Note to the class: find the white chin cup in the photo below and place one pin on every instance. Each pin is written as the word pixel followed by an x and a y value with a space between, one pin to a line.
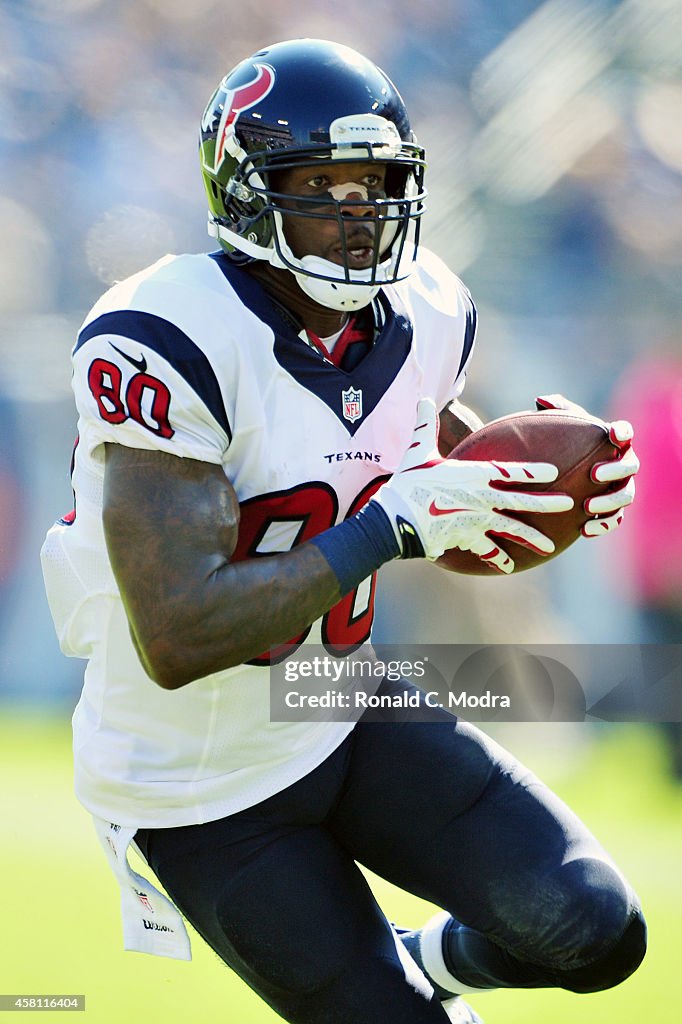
pixel 334 292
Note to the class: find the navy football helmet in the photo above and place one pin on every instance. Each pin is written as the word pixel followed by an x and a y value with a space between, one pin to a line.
pixel 291 105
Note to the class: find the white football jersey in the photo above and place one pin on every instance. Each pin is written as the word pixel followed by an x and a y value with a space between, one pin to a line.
pixel 191 357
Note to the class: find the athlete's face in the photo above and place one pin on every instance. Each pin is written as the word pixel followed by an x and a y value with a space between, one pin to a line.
pixel 352 184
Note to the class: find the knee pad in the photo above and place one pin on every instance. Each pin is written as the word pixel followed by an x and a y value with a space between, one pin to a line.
pixel 594 935
pixel 613 967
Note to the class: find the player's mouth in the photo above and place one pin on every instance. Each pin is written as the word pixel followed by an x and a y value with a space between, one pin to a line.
pixel 357 255
pixel 361 257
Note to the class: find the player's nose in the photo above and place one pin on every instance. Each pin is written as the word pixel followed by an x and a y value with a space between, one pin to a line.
pixel 357 205
pixel 353 199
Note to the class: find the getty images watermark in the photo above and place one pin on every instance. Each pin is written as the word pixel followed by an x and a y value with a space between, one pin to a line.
pixel 503 683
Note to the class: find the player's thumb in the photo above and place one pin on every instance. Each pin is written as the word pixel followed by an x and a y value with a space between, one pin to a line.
pixel 424 444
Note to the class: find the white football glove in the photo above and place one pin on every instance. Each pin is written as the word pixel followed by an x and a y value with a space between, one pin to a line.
pixel 607 509
pixel 435 504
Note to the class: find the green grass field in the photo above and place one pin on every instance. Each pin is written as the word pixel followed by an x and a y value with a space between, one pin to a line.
pixel 59 904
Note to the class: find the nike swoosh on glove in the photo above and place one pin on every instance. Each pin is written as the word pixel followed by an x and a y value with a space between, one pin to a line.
pixel 435 504
pixel 608 509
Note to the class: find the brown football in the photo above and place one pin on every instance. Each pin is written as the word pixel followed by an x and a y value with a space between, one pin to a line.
pixel 572 442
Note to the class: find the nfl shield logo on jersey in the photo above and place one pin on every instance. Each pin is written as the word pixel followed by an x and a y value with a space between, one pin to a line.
pixel 352 404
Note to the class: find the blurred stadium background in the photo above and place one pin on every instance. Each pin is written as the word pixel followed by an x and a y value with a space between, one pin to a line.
pixel 553 131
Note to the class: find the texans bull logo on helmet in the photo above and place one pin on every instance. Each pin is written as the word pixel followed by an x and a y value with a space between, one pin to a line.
pixel 236 101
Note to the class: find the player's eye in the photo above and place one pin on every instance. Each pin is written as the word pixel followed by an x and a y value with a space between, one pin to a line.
pixel 319 181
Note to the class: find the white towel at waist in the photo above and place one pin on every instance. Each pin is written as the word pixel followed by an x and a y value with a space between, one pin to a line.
pixel 151 923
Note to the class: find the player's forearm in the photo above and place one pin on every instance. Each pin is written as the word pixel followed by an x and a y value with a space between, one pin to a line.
pixel 171 528
pixel 242 609
pixel 233 614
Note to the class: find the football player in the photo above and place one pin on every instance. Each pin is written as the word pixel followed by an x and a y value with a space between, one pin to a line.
pixel 257 436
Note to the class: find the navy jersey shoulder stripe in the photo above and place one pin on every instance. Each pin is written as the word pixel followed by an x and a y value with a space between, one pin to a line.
pixel 173 345
pixel 469 333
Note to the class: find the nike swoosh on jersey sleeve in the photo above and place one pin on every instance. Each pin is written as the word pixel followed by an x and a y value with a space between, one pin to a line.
pixel 172 344
pixel 139 364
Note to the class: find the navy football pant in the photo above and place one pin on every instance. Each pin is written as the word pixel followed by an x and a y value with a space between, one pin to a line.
pixel 441 811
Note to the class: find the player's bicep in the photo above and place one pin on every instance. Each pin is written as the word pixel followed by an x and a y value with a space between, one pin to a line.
pixel 169 524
